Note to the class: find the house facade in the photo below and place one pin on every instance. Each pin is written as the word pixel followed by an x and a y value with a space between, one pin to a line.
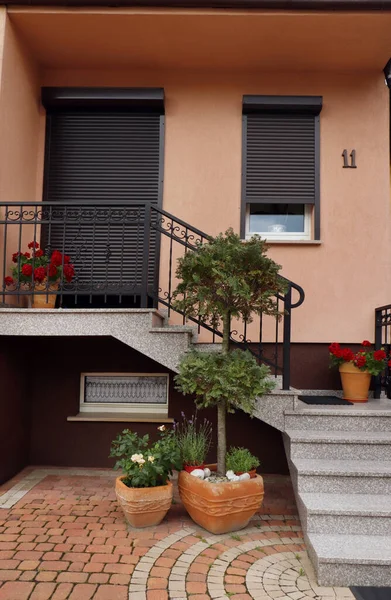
pixel 128 135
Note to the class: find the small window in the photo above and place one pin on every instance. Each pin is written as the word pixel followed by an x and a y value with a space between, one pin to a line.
pixel 124 392
pixel 274 221
pixel 280 189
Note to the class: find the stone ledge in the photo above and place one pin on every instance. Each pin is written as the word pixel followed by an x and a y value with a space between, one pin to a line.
pixel 118 418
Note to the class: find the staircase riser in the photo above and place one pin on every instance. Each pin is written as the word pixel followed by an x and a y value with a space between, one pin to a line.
pixel 337 423
pixel 347 575
pixel 333 451
pixel 355 524
pixel 340 484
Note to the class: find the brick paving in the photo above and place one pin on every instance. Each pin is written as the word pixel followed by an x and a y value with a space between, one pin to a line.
pixel 63 537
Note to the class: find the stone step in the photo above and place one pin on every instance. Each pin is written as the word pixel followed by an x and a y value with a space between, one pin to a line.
pixel 331 419
pixel 367 514
pixel 341 476
pixel 347 560
pixel 340 444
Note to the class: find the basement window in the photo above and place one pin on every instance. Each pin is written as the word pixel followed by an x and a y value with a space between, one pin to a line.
pixel 132 393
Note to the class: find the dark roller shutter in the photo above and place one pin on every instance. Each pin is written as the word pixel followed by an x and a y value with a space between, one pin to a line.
pixel 104 156
pixel 280 162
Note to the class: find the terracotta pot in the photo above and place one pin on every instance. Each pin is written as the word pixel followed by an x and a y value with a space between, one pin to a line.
pixel 252 473
pixel 190 468
pixel 45 300
pixel 144 507
pixel 221 507
pixel 355 383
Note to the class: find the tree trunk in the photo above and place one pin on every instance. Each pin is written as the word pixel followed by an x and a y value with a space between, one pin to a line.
pixel 222 406
pixel 221 437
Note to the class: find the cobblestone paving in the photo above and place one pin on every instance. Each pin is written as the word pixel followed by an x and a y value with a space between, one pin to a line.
pixel 62 537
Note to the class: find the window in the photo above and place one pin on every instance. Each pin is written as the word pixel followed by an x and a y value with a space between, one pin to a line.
pixel 123 392
pixel 274 221
pixel 280 194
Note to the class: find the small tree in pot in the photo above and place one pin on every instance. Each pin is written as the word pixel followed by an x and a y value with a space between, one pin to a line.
pixel 225 279
pixel 222 280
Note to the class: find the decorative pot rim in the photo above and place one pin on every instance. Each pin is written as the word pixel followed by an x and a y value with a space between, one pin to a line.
pixel 210 484
pixel 350 367
pixel 119 481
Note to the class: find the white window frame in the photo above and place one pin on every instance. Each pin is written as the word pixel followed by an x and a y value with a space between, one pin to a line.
pixel 286 235
pixel 123 407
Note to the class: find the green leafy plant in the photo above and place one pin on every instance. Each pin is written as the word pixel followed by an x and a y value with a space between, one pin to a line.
pixel 225 279
pixel 194 439
pixel 240 460
pixel 146 464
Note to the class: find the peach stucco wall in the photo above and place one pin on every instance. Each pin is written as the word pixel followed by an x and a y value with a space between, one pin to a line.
pixel 20 126
pixel 349 273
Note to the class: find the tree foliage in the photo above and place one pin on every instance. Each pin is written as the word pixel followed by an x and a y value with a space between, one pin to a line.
pixel 228 275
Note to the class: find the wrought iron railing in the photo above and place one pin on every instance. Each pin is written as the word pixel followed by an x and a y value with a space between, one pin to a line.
pixel 124 255
pixel 383 340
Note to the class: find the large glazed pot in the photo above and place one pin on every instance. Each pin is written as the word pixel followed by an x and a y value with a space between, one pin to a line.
pixel 355 383
pixel 143 507
pixel 221 507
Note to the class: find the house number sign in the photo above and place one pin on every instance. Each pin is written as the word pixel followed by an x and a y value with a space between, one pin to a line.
pixel 349 164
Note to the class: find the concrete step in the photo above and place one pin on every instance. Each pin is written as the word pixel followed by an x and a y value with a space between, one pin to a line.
pixel 331 419
pixel 341 476
pixel 357 514
pixel 346 560
pixel 359 445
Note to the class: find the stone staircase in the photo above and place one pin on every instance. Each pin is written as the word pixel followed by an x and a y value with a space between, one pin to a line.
pixel 145 330
pixel 340 463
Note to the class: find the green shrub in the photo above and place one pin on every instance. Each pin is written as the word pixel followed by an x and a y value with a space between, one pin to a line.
pixel 145 464
pixel 240 460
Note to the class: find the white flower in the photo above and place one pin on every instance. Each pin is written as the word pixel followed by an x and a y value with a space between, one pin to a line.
pixel 151 458
pixel 162 428
pixel 137 458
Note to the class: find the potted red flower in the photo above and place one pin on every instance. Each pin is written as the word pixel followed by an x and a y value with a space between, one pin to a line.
pixel 357 369
pixel 40 272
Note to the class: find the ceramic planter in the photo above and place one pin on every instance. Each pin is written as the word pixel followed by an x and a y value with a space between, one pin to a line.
pixel 144 507
pixel 190 468
pixel 355 383
pixel 221 507
pixel 252 473
pixel 46 300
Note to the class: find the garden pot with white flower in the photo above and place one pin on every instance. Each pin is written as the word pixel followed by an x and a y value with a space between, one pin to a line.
pixel 356 370
pixel 144 491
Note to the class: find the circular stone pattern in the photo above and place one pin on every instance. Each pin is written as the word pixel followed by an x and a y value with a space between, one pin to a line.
pixel 258 563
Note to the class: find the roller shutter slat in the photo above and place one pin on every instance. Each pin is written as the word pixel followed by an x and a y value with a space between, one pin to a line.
pixel 108 157
pixel 280 160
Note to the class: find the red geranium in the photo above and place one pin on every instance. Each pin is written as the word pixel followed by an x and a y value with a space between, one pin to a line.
pixel 389 363
pixel 8 281
pixel 33 245
pixel 69 272
pixel 15 256
pixel 52 270
pixel 366 343
pixel 67 259
pixel 347 354
pixel 360 361
pixel 27 270
pixel 379 355
pixel 27 255
pixel 39 253
pixel 56 258
pixel 39 274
